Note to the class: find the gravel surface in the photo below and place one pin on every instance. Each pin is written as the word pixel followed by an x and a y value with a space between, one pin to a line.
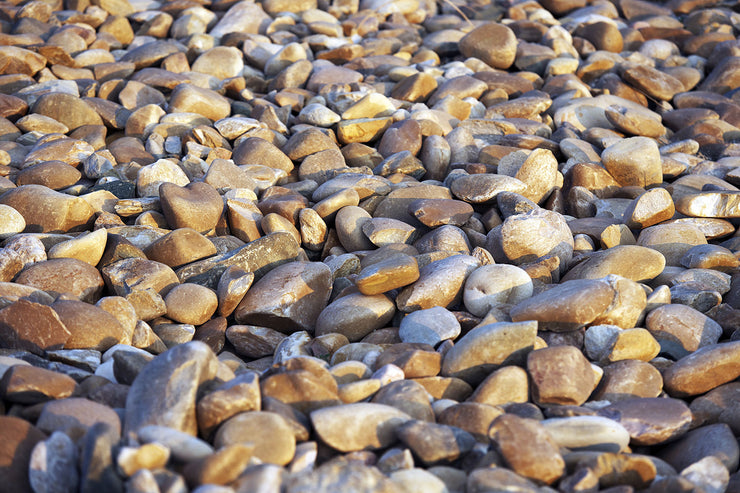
pixel 369 246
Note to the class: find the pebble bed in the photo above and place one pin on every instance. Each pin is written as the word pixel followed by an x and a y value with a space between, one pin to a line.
pixel 369 246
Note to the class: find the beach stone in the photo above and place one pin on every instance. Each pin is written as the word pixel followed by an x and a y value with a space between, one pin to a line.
pixel 355 315
pixel 513 241
pixel 75 416
pixel 527 448
pixel 11 221
pixel 232 286
pixel 53 465
pixel 151 176
pixel 710 257
pixel 45 210
pixel 219 468
pixel 180 370
pixel 495 286
pixel 190 303
pixel 488 347
pixel 650 208
pixel 430 326
pixel 17 448
pixel 703 370
pixel 136 274
pixel 567 306
pixel 244 17
pixel 90 327
pixel 359 426
pixel 499 55
pixel 609 343
pixel 588 433
pixel 64 275
pixel 433 442
pixel 651 420
pixel 710 204
pixel 439 212
pixel 714 440
pixel 621 260
pixel 440 283
pixel 31 385
pixel 653 82
pixel 628 379
pixel 384 231
pixel 67 109
pixel 546 367
pixel 349 222
pixel 52 174
pixel 538 170
pixel 681 330
pixel 188 98
pixel 473 417
pixel 394 272
pixel 197 206
pixel 408 396
pixel 416 478
pixel 634 161
pixel 288 298
pixel 179 247
pixel 220 61
pixel 338 475
pixel 240 394
pixel 32 327
pixel 672 240
pixel 483 188
pixel 270 434
pixel 716 406
pixel 88 247
pixel 506 385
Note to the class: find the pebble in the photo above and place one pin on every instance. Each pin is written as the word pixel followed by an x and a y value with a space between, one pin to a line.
pixel 369 208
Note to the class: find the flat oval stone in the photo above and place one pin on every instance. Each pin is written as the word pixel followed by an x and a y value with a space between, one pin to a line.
pixel 477 44
pixel 188 98
pixel 64 275
pixel 567 306
pixel 710 204
pixel 588 433
pixel 67 110
pixel 438 212
pixel 288 298
pixel 634 262
pixel 651 420
pixel 484 187
pixel 355 315
pixel 190 303
pixel 394 272
pixel 673 240
pixel 32 327
pixel 359 426
pixel 712 440
pixel 488 347
pixel 30 385
pixel 703 370
pixel 90 327
pixel 45 210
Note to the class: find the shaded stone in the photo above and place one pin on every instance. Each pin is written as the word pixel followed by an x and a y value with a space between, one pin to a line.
pixel 651 421
pixel 433 442
pixel 179 370
pixel 358 426
pixel 527 448
pixel 20 438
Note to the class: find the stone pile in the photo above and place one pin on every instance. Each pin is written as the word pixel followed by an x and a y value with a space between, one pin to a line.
pixel 369 246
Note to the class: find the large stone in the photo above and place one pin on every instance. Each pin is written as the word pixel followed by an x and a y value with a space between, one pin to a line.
pixel 523 238
pixel 488 347
pixel 19 439
pixel 164 391
pixel 492 43
pixel 31 327
pixel 355 315
pixel 289 298
pixel 440 283
pixel 47 211
pixel 360 426
pixel 634 161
